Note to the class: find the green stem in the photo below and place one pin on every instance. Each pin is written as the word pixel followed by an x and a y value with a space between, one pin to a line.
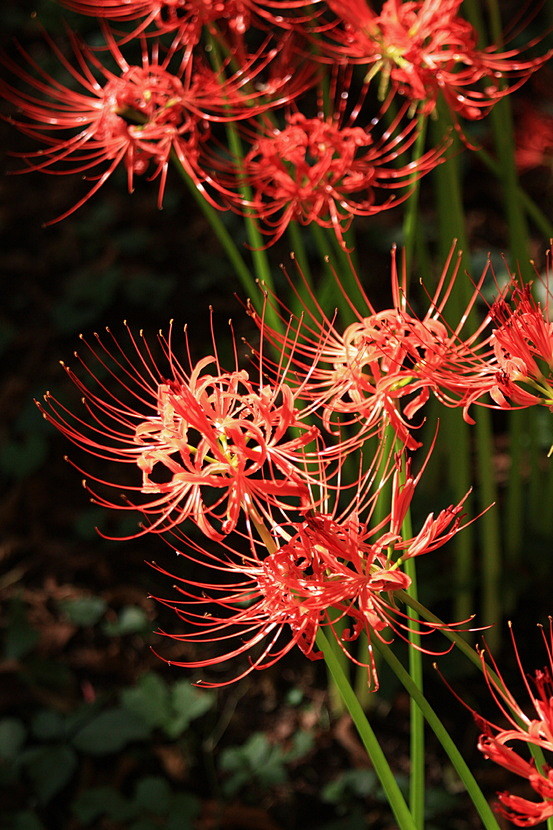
pixel 454 440
pixel 410 221
pixel 452 219
pixel 459 764
pixel 417 776
pixel 417 743
pixel 540 220
pixel 255 238
pixel 381 767
pixel 212 215
pixel 455 638
pixel 503 130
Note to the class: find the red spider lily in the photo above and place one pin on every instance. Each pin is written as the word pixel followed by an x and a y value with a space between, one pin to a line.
pixel 426 49
pixel 316 573
pixel 382 368
pixel 324 171
pixel 522 339
pixel 208 443
pixel 188 17
pixel 537 730
pixel 534 138
pixel 139 116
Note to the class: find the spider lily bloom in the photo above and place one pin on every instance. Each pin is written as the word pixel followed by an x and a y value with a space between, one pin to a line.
pixel 522 339
pixel 139 116
pixel 500 745
pixel 426 49
pixel 534 138
pixel 188 17
pixel 323 171
pixel 206 443
pixel 322 572
pixel 382 368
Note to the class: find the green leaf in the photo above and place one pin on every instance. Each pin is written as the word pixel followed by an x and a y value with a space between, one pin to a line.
pixel 148 700
pixel 50 769
pixel 188 703
pixel 20 637
pixel 184 810
pixel 153 794
pixel 131 620
pixel 48 725
pixel 12 738
pixel 91 804
pixel 356 782
pixel 302 743
pixel 111 731
pixel 294 696
pixel 83 611
pixel 256 760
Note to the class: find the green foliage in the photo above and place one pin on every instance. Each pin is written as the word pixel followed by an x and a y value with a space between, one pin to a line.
pixel 43 756
pixel 83 611
pixel 19 636
pixel 154 804
pixel 169 708
pixel 131 620
pixel 49 769
pixel 260 762
pixel 110 731
pixel 359 783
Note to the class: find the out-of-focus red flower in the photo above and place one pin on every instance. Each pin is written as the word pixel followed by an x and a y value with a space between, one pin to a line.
pixel 382 368
pixel 189 17
pixel 208 444
pixel 426 49
pixel 140 115
pixel 501 744
pixel 324 171
pixel 316 573
pixel 534 138
pixel 522 339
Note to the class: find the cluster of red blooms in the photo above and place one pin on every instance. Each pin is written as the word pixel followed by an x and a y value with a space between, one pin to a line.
pixel 302 160
pixel 522 730
pixel 293 547
pixel 256 460
pixel 239 453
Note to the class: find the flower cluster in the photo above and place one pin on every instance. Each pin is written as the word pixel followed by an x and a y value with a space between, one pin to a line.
pixel 252 458
pixel 501 744
pixel 383 367
pixel 311 574
pixel 305 139
pixel 427 50
pixel 260 459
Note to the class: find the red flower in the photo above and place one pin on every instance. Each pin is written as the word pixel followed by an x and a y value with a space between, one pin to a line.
pixel 537 729
pixel 140 116
pixel 207 443
pixel 534 138
pixel 522 339
pixel 186 16
pixel 425 48
pixel 382 368
pixel 320 170
pixel 316 573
